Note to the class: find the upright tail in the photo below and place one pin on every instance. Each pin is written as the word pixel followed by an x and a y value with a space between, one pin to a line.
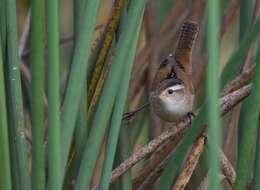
pixel 185 44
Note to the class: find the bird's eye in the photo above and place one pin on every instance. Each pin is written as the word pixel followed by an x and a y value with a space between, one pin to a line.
pixel 170 91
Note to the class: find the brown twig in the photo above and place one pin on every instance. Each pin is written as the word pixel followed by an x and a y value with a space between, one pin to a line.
pixel 190 163
pixel 227 169
pixel 23 46
pixel 226 103
pixel 239 81
pixel 230 138
pixel 154 175
pixel 159 156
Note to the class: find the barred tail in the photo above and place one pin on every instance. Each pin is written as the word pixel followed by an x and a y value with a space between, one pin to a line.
pixel 185 44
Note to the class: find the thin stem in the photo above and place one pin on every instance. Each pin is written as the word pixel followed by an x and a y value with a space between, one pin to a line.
pixel 54 159
pixel 19 160
pixel 77 77
pixel 5 172
pixel 38 169
pixel 213 90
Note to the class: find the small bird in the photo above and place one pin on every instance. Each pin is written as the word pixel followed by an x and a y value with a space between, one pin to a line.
pixel 172 93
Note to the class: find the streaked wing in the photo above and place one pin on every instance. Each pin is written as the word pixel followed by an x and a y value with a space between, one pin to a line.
pixel 185 44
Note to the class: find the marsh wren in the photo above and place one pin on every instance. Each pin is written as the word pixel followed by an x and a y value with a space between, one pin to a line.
pixel 172 94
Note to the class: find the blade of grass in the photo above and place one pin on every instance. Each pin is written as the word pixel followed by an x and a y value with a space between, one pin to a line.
pixel 100 119
pixel 232 67
pixel 54 159
pixel 81 123
pixel 212 91
pixel 249 119
pixel 81 135
pixel 124 146
pixel 256 181
pixel 19 159
pixel 5 172
pixel 38 168
pixel 245 21
pixel 77 76
pixel 117 116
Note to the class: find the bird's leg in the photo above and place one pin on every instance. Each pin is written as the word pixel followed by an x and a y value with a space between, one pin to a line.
pixel 191 116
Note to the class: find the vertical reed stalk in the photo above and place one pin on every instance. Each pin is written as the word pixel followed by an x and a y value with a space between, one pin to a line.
pixel 5 172
pixel 54 159
pixel 256 180
pixel 3 26
pixel 38 168
pixel 104 107
pixel 213 90
pixel 249 125
pixel 77 78
pixel 117 116
pixel 19 159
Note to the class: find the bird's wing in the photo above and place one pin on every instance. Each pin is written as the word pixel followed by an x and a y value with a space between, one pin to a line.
pixel 185 44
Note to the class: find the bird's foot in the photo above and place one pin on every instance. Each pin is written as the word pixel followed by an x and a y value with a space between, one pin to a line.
pixel 191 116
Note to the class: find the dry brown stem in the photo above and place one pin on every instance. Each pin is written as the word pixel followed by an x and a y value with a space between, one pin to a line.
pixel 228 16
pixel 230 138
pixel 190 163
pixel 23 46
pixel 239 81
pixel 154 175
pixel 227 169
pixel 160 154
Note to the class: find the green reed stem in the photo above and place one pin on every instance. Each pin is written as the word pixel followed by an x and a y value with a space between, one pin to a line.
pixel 38 168
pixel 54 142
pixel 5 170
pixel 104 107
pixel 213 91
pixel 18 147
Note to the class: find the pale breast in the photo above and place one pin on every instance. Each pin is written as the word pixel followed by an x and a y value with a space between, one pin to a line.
pixel 172 110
